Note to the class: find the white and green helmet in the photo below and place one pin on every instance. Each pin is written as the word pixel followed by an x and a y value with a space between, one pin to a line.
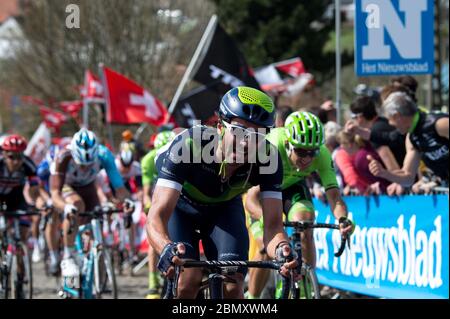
pixel 163 138
pixel 304 130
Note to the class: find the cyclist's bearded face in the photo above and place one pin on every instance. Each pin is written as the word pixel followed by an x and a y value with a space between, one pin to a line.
pixel 240 140
pixel 13 160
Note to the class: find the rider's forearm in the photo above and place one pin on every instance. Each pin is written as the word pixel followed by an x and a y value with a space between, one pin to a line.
pixel 157 232
pixel 340 210
pixel 271 240
pixel 337 204
pixel 43 194
pixel 34 193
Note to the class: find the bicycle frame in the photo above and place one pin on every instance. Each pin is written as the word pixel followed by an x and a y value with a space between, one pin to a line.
pixel 87 269
pixel 11 245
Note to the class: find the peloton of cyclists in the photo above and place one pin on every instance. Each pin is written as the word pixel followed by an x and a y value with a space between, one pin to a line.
pixel 72 187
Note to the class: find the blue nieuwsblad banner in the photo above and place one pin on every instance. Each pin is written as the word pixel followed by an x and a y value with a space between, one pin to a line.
pixel 394 37
pixel 399 249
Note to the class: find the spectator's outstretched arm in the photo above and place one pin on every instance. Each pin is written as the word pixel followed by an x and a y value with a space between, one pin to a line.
pixel 388 158
pixel 408 172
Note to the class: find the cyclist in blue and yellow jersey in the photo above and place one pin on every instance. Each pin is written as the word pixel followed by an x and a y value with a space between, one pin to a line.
pixel 301 146
pixel 72 187
pixel 202 175
pixel 149 176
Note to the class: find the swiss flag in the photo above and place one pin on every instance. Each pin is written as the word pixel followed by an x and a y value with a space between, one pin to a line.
pixel 93 88
pixel 71 107
pixel 294 67
pixel 129 103
pixel 52 118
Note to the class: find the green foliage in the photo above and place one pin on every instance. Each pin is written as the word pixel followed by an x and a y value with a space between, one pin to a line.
pixel 271 30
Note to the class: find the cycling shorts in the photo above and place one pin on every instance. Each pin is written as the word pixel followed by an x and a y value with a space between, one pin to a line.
pixel 87 193
pixel 221 228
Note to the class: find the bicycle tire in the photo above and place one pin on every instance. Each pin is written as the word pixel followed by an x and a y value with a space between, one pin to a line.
pixel 104 276
pixel 4 276
pixel 309 279
pixel 21 285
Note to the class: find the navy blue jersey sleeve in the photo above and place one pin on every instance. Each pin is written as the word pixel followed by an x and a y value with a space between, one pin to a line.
pixel 174 160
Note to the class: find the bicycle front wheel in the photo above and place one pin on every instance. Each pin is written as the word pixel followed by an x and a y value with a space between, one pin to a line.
pixel 104 277
pixel 21 276
pixel 4 276
pixel 308 287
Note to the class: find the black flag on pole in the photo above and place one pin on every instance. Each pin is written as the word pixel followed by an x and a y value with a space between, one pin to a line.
pixel 222 62
pixel 198 104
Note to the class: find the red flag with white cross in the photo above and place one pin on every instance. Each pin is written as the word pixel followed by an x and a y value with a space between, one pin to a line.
pixel 93 87
pixel 129 103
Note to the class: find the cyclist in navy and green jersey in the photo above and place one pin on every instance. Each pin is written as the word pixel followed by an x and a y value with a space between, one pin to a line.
pixel 301 146
pixel 204 192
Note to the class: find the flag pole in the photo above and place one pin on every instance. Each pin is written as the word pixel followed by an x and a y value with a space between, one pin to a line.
pixel 106 99
pixel 85 113
pixel 338 60
pixel 210 27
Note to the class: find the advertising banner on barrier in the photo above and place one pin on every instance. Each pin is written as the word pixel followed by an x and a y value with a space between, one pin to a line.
pixel 400 247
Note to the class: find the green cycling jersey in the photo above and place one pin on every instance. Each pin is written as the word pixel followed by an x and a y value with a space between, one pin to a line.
pixel 149 172
pixel 322 164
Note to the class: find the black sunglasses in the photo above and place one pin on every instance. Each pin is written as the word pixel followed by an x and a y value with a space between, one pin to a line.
pixel 14 157
pixel 306 153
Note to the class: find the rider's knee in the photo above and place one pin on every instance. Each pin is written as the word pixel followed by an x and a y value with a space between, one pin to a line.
pixel 186 290
pixel 235 290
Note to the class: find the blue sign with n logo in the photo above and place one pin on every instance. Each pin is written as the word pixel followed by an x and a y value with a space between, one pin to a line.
pixel 394 37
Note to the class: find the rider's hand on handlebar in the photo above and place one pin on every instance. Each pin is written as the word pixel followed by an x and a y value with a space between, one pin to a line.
pixel 70 209
pixel 284 253
pixel 128 206
pixel 346 226
pixel 171 256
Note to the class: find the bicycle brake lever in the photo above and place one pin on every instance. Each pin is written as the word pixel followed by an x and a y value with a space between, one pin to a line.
pixel 175 280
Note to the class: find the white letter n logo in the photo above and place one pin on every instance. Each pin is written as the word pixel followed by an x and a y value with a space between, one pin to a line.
pixel 407 38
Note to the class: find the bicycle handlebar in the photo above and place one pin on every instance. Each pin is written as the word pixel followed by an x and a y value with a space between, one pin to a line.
pixel 19 213
pixel 96 213
pixel 99 211
pixel 215 265
pixel 302 225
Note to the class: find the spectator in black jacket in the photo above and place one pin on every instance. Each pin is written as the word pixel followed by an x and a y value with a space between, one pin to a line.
pixel 385 139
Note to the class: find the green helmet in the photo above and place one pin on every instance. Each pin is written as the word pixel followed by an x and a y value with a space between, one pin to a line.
pixel 163 138
pixel 304 130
